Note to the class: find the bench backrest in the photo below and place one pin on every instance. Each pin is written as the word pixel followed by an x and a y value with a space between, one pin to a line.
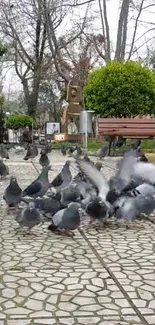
pixel 134 127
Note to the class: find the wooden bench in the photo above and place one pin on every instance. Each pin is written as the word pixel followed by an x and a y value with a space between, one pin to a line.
pixel 134 128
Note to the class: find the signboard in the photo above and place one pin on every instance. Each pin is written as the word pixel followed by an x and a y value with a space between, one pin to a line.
pixel 60 137
pixel 52 128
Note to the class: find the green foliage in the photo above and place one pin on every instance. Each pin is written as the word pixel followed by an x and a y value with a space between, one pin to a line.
pixel 18 121
pixel 121 89
pixel 3 49
pixel 2 100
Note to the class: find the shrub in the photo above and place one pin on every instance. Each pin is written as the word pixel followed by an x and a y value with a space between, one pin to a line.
pixel 121 89
pixel 18 121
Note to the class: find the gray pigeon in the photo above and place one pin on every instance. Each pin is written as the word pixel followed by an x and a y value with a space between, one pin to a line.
pixel 128 208
pixel 46 205
pixel 44 160
pixel 69 194
pixel 67 219
pixel 98 165
pixel 29 217
pixel 4 152
pixel 32 152
pixel 4 170
pixel 40 186
pixel 13 193
pixel 64 178
pixel 103 151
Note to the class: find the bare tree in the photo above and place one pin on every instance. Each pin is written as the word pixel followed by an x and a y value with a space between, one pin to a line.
pixel 60 46
pixel 123 50
pixel 23 27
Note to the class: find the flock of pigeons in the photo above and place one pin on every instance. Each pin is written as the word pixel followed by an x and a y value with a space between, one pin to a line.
pixel 127 195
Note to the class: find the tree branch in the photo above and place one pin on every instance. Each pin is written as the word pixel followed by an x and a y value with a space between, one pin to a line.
pixel 108 50
pixel 135 29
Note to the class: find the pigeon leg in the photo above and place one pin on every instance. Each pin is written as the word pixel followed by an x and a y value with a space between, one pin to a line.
pixel 107 222
pixel 67 233
pixel 10 209
pixel 91 219
pixel 135 226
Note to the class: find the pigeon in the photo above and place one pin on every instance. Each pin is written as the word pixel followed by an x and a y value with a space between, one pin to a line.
pixel 13 193
pixel 108 192
pixel 137 144
pixel 67 219
pixel 4 170
pixel 96 177
pixel 46 205
pixel 145 171
pixel 77 152
pixel 47 149
pixel 86 158
pixel 124 174
pixel 64 150
pixel 64 178
pixel 97 209
pixel 29 217
pixel 98 165
pixel 44 160
pixel 119 142
pixel 131 207
pixel 32 152
pixel 4 152
pixel 70 150
pixel 40 186
pixel 70 194
pixel 100 203
pixel 103 151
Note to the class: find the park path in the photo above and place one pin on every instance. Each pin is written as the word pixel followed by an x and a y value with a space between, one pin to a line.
pixel 104 276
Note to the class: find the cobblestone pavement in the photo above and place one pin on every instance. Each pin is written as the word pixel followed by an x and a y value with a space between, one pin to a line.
pixel 104 276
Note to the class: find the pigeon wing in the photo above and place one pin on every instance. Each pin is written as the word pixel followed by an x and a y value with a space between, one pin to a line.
pixel 145 171
pixel 126 167
pixel 96 177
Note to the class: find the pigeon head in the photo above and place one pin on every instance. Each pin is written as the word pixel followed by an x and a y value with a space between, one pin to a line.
pixel 112 196
pixel 68 163
pixel 13 179
pixel 97 209
pixel 43 152
pixel 86 158
pixel 98 165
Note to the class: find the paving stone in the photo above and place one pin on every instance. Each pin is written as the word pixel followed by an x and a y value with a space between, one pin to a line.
pixel 24 292
pixel 41 296
pixel 49 279
pixel 17 311
pixel 18 322
pixel 83 301
pixel 88 320
pixel 42 314
pixel 8 293
pixel 45 321
pixel 98 282
pixel 67 306
pixel 33 304
pixel 67 321
pixel 150 319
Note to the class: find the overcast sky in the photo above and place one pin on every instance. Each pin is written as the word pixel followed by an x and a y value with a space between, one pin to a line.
pixel 11 82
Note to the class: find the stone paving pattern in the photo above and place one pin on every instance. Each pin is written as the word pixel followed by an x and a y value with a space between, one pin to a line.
pixel 104 276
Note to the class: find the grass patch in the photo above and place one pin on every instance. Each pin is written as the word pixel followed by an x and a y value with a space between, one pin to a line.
pixel 146 146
